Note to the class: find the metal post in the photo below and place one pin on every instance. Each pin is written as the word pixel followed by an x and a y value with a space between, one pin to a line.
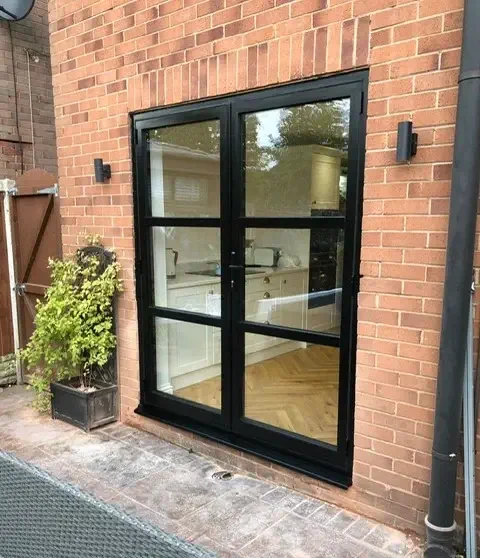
pixel 8 188
pixel 469 443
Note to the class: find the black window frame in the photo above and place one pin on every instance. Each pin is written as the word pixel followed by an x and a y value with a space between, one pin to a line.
pixel 285 448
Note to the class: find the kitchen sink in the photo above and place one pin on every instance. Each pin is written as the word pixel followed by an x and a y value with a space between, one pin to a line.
pixel 213 273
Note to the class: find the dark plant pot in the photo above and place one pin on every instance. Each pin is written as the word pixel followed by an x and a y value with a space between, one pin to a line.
pixel 86 410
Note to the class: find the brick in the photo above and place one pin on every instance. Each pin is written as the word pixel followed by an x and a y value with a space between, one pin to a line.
pixel 440 41
pixel 381 37
pixel 169 7
pixel 86 83
pixel 405 207
pixel 404 239
pixel 393 52
pixel 419 28
pixel 415 65
pixel 421 321
pixel 334 14
pixel 210 6
pixel 226 16
pixel 391 479
pixel 348 31
pixel 307 6
pixel 292 26
pixel 308 53
pixel 256 6
pixel 240 26
pixel 450 59
pixel 252 66
pixel 259 35
pixel 453 20
pixel 272 16
pixel 431 7
pixel 394 16
pixel 209 35
pixel 398 333
pixel 320 50
pixel 436 80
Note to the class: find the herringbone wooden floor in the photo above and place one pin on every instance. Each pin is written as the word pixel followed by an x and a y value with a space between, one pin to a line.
pixel 297 391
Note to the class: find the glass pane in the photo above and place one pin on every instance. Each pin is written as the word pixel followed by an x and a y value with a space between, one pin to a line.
pixel 186 268
pixel 185 170
pixel 295 160
pixel 292 386
pixel 189 361
pixel 294 278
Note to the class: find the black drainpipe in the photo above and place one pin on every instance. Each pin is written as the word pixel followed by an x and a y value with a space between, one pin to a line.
pixel 440 521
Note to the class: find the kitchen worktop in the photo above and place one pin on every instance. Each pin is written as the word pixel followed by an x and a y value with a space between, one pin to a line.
pixel 190 280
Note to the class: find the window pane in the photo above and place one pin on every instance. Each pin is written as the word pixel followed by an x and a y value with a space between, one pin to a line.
pixel 292 386
pixel 295 160
pixel 186 269
pixel 303 289
pixel 185 170
pixel 189 361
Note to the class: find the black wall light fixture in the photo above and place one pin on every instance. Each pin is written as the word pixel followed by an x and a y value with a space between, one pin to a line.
pixel 102 172
pixel 407 142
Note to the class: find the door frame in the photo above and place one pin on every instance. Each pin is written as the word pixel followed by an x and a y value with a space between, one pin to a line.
pixel 335 467
pixel 144 265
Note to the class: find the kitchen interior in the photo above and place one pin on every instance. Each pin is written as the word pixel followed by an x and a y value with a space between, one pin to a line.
pixel 293 277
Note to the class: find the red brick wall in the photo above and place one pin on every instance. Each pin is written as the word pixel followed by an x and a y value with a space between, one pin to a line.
pixel 30 33
pixel 112 56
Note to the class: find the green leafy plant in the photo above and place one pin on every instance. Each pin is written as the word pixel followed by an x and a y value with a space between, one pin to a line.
pixel 74 329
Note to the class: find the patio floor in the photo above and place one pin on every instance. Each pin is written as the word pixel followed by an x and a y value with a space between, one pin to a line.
pixel 174 489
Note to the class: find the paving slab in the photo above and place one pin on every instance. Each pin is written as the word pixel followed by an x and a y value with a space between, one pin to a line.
pixel 174 489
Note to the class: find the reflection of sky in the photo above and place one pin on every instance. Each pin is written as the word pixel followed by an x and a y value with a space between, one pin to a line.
pixel 268 126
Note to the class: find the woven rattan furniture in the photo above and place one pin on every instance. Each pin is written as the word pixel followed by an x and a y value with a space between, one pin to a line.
pixel 42 517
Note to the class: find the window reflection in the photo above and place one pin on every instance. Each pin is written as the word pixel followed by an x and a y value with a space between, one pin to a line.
pixel 185 170
pixel 296 160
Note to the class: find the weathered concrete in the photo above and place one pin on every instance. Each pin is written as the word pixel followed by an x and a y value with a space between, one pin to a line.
pixel 174 489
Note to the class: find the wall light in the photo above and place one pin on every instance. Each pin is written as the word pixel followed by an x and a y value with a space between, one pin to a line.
pixel 407 142
pixel 102 172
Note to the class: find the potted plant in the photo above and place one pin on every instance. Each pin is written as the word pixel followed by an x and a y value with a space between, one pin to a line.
pixel 72 350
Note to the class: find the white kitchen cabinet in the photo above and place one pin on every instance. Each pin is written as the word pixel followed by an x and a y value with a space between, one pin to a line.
pixel 193 299
pixel 191 346
pixel 293 302
pixel 279 299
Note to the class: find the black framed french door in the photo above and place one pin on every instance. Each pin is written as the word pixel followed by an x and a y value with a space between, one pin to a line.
pixel 247 216
pixel 183 207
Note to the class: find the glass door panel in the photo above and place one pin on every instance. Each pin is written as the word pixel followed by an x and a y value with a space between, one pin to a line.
pixel 295 176
pixel 188 359
pixel 186 269
pixel 296 159
pixel 296 278
pixel 293 386
pixel 184 169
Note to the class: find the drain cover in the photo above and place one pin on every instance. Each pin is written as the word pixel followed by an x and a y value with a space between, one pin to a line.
pixel 222 475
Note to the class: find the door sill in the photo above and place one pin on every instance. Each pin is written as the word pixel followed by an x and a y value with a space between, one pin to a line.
pixel 295 463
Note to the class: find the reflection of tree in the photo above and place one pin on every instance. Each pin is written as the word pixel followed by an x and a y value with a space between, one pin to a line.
pixel 205 136
pixel 317 124
pixel 280 167
pixel 202 136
